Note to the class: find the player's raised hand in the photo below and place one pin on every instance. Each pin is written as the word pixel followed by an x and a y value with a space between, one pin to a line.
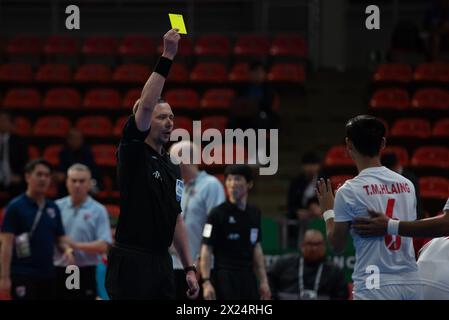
pixel 375 225
pixel 325 194
pixel 171 40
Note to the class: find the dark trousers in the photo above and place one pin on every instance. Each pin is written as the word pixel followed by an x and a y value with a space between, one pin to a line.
pixel 230 284
pixel 137 275
pixel 31 288
pixel 88 284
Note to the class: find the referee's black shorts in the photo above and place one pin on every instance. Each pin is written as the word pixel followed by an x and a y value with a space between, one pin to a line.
pixel 232 284
pixel 137 275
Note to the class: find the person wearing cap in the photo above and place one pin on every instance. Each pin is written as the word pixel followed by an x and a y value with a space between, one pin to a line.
pixel 232 234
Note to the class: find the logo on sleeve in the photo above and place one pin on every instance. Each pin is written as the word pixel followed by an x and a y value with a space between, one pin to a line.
pixel 253 235
pixel 179 188
pixel 207 231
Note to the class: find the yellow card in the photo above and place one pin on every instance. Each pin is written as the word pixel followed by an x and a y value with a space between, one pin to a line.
pixel 177 22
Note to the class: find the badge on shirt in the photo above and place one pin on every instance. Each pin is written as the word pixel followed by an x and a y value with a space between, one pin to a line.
pixel 179 187
pixel 51 212
pixel 207 231
pixel 253 235
pixel 231 220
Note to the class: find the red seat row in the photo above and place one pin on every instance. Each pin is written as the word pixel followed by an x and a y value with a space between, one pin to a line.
pixel 141 45
pixel 397 98
pixel 138 73
pixel 420 128
pixel 403 73
pixel 425 156
pixel 100 126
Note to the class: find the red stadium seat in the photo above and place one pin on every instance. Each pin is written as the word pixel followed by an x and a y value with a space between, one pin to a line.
pixel 137 45
pixel 213 45
pixel 22 98
pixel 113 210
pixel 54 73
pixel 441 128
pixel 131 97
pixel 182 98
pixel 104 155
pixel 390 98
pixel 52 126
pixel 100 45
pixel 185 47
pixel 411 128
pixel 393 72
pixel 16 72
pixel 51 154
pixel 94 126
pixel 338 180
pixel 217 98
pixel 431 157
pixel 286 72
pixel 33 152
pixel 432 71
pixel 24 45
pixel 434 187
pixel 93 73
pixel 214 122
pixel 401 154
pixel 431 98
pixel 102 99
pixel 61 45
pixel 132 73
pixel 240 72
pixel 185 123
pixel 252 45
pixel 62 98
pixel 209 72
pixel 178 73
pixel 22 126
pixel 338 156
pixel 119 125
pixel 288 45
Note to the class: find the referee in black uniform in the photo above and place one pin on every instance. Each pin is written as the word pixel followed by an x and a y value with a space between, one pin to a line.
pixel 232 234
pixel 139 265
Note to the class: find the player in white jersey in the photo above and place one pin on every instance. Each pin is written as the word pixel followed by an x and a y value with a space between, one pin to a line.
pixel 385 267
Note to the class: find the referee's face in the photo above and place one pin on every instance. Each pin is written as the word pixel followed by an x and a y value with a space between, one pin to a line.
pixel 161 124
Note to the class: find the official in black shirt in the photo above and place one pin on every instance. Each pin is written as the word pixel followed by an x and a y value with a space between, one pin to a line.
pixel 139 265
pixel 232 234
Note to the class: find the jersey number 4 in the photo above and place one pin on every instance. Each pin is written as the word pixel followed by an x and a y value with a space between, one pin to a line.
pixel 393 243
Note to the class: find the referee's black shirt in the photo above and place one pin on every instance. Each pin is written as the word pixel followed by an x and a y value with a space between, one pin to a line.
pixel 150 193
pixel 233 234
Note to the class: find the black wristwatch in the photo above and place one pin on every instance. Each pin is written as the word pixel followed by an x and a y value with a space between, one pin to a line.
pixel 190 268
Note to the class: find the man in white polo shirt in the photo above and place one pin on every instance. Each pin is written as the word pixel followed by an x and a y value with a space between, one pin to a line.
pixel 87 223
pixel 385 267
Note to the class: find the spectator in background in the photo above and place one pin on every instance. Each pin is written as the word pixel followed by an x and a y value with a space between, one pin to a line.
pixel 391 161
pixel 437 24
pixel 13 157
pixel 87 224
pixel 253 106
pixel 201 193
pixel 75 151
pixel 232 234
pixel 31 228
pixel 301 202
pixel 308 276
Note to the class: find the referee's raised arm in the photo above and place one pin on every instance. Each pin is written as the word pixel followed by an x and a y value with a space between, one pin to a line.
pixel 155 83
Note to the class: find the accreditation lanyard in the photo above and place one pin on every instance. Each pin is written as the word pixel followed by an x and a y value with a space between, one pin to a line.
pixel 301 275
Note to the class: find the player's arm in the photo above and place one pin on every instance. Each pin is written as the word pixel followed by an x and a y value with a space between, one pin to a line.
pixel 337 232
pixel 261 274
pixel 206 263
pixel 155 83
pixel 377 225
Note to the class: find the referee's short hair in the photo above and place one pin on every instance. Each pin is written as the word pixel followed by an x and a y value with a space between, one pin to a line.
pixel 31 165
pixel 79 167
pixel 241 170
pixel 366 133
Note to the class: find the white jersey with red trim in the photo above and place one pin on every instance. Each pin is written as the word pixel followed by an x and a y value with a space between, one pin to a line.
pixel 381 190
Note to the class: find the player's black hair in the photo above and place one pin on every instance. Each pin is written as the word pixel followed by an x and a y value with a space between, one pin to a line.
pixel 31 165
pixel 241 170
pixel 366 133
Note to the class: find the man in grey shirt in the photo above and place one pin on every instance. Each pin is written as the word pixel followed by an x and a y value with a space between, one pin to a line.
pixel 201 193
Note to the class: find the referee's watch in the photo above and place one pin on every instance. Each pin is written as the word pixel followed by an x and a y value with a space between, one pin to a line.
pixel 190 268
